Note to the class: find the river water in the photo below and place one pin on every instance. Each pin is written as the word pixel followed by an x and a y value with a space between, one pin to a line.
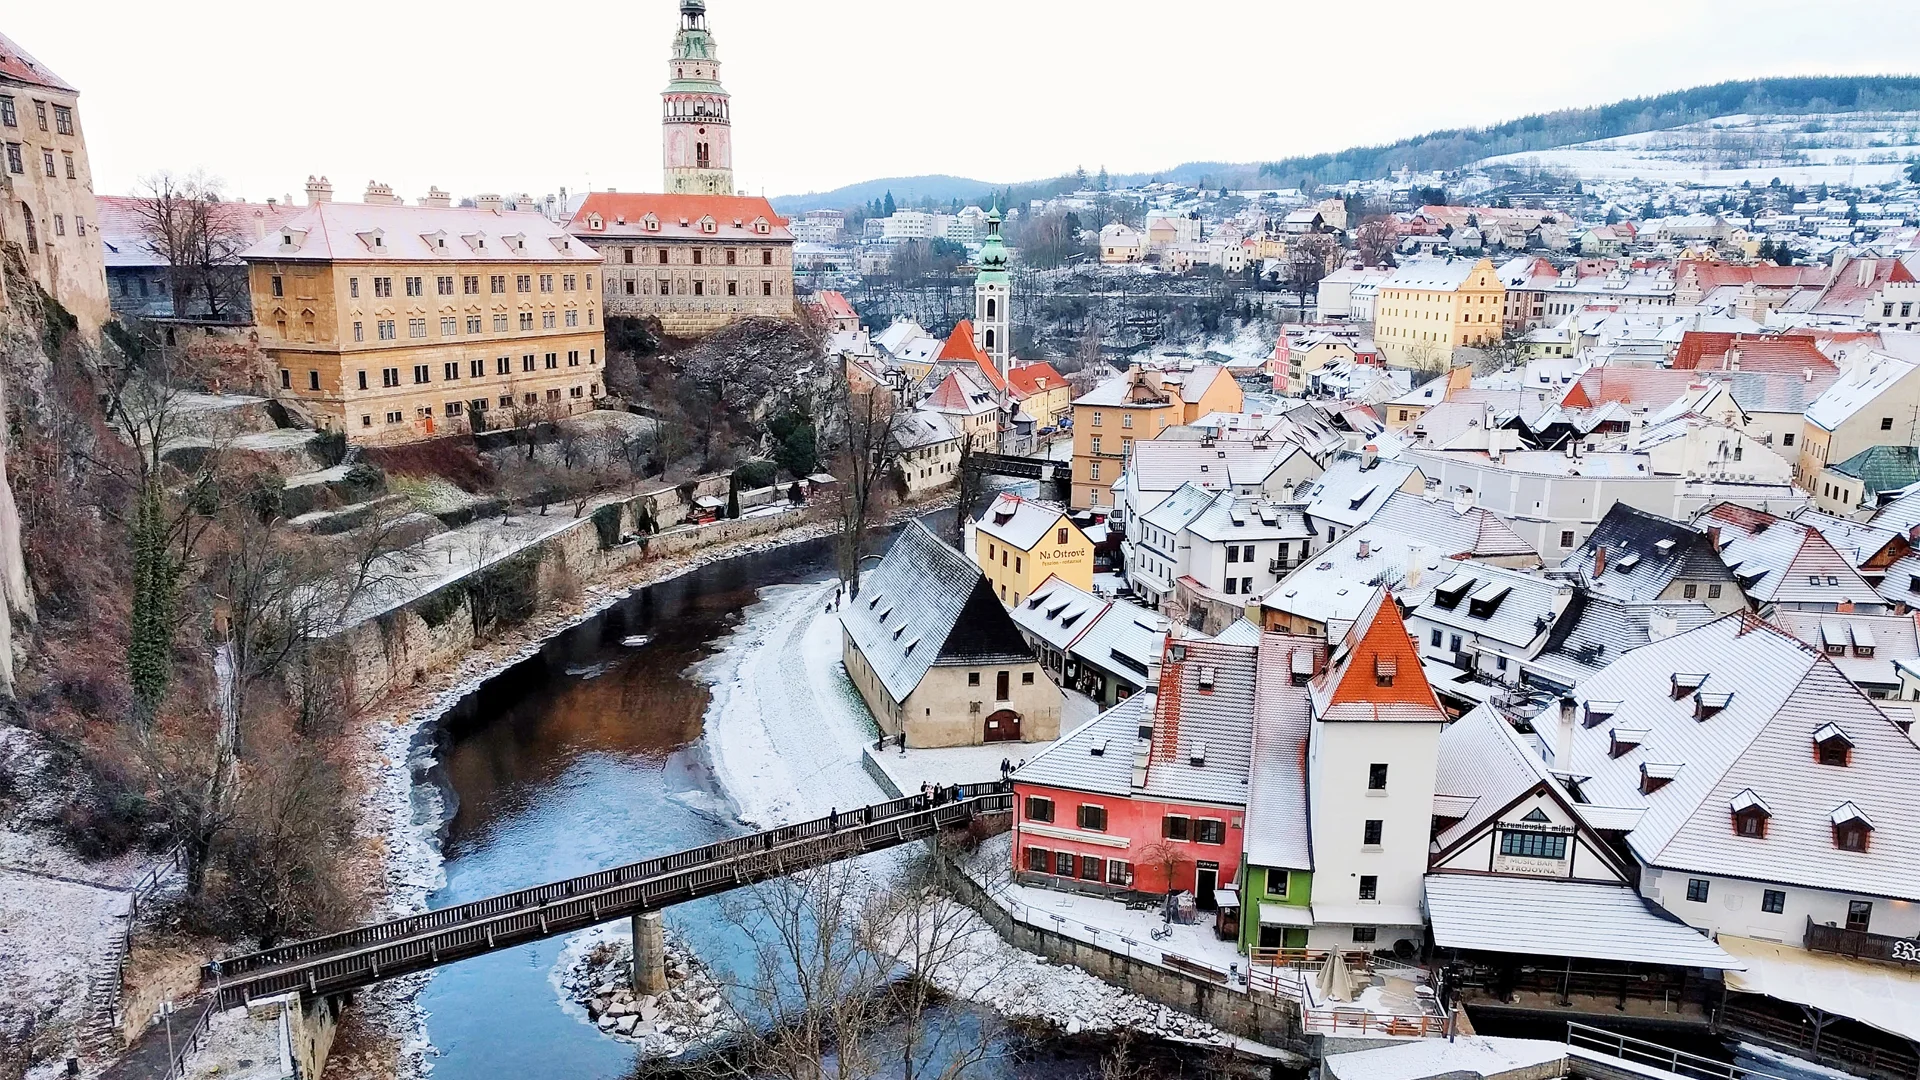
pixel 588 755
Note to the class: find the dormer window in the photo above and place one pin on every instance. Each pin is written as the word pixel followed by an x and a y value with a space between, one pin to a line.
pixel 1623 741
pixel 1654 776
pixel 651 223
pixel 1599 712
pixel 1750 815
pixel 1852 829
pixel 1831 746
pixel 1384 669
pixel 1706 705
pixel 1206 678
pixel 1685 683
pixel 595 222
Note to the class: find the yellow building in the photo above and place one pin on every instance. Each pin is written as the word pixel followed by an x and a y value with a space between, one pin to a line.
pixel 47 212
pixel 1139 405
pixel 394 323
pixel 1019 543
pixel 1430 307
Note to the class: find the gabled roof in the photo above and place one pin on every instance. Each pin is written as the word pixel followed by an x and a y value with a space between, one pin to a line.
pixel 1779 561
pixel 1597 629
pixel 1278 829
pixel 1644 553
pixel 1059 612
pixel 915 428
pixel 960 391
pixel 1505 605
pixel 835 304
pixel 124 232
pixel 1792 355
pixel 960 348
pixel 623 215
pixel 1165 464
pixel 1033 378
pixel 1859 542
pixel 1019 522
pixel 1374 672
pixel 395 232
pixel 928 604
pixel 1351 491
pixel 1773 693
pixel 17 66
pixel 1859 387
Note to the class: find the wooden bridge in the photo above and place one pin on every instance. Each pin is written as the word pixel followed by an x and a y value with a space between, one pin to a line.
pixel 1045 470
pixel 355 958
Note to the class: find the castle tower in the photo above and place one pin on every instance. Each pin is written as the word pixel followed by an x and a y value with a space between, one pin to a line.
pixel 992 298
pixel 696 137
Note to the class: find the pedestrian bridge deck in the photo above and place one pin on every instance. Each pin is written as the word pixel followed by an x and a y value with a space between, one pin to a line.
pixel 345 961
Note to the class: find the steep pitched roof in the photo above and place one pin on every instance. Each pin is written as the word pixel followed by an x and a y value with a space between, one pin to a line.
pixel 1038 377
pixel 1374 672
pixel 1859 387
pixel 927 604
pixel 960 348
pixel 1772 693
pixel 1277 826
pixel 1644 553
pixel 17 66
pixel 622 215
pixel 1778 561
pixel 1020 522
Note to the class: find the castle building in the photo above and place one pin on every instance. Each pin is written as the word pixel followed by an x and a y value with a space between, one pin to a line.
pixel 992 297
pixel 46 187
pixel 695 262
pixel 696 114
pixel 394 323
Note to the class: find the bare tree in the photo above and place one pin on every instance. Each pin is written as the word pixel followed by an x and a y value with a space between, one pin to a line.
pixel 1309 258
pixel 186 222
pixel 863 465
pixel 1375 240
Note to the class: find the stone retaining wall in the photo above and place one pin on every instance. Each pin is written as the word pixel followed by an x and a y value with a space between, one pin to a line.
pixel 1272 1021
pixel 401 647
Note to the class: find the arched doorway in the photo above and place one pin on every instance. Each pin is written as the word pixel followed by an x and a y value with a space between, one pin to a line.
pixel 1003 726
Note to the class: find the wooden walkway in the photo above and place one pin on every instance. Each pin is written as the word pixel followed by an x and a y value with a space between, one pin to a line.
pixel 354 958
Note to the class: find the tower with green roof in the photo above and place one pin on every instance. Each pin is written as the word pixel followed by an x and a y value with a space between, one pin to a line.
pixel 993 298
pixel 696 115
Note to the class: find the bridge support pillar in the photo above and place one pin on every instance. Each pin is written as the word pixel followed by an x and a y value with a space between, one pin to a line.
pixel 649 954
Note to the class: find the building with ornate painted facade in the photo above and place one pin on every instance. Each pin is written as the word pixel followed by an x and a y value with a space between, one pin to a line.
pixel 695 262
pixel 696 115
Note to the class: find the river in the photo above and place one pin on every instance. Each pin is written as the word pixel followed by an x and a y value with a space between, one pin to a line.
pixel 587 755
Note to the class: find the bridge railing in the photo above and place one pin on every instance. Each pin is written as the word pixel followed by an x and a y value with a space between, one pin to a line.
pixel 462 927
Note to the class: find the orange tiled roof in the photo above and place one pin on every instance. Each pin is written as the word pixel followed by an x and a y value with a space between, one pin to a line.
pixel 960 347
pixel 1707 351
pixel 1380 650
pixel 17 66
pixel 1030 379
pixel 622 211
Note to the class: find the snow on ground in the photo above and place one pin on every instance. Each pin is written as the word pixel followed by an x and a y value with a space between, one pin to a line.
pixel 1096 920
pixel 910 768
pixel 1468 1055
pixel 786 728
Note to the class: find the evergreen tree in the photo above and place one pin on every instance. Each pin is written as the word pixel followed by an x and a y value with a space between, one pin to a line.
pixel 156 594
pixel 1102 183
pixel 887 206
pixel 733 496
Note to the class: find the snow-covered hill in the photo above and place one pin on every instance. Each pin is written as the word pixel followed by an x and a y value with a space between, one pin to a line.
pixel 1833 148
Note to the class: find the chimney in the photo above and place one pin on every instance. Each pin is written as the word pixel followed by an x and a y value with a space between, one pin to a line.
pixel 436 198
pixel 1366 549
pixel 1369 456
pixel 1599 561
pixel 489 201
pixel 1733 359
pixel 382 194
pixel 1563 738
pixel 1662 626
pixel 1713 537
pixel 319 190
pixel 1866 270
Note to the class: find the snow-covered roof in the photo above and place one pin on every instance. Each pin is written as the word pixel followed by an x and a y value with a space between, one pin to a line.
pixel 1749 698
pixel 1529 916
pixel 1277 832
pixel 1019 522
pixel 1780 561
pixel 1506 605
pixel 1432 275
pixel 1353 490
pixel 1058 612
pixel 1858 388
pixel 396 233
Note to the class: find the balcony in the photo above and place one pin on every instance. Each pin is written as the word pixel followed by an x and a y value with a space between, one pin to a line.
pixel 1861 945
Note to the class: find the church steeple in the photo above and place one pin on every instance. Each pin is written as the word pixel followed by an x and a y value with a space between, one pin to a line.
pixel 696 114
pixel 993 298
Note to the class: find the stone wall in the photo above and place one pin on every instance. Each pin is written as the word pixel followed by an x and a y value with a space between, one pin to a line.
pixel 401 647
pixel 1268 1020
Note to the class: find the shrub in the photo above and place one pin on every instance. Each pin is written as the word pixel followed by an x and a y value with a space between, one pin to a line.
pixel 438 606
pixel 756 474
pixel 606 520
pixel 330 447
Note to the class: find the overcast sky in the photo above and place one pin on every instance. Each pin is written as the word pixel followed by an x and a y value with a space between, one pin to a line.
pixel 486 96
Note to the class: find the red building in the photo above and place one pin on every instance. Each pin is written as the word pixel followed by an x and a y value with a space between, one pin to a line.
pixel 1151 796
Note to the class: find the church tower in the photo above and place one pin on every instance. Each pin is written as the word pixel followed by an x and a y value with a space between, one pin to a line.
pixel 696 119
pixel 992 298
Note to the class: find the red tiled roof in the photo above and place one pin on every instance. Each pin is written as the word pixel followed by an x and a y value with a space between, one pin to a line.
pixel 621 213
pixel 1712 275
pixel 1707 351
pixel 1380 651
pixel 1030 379
pixel 1651 388
pixel 17 66
pixel 835 304
pixel 1848 290
pixel 960 347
